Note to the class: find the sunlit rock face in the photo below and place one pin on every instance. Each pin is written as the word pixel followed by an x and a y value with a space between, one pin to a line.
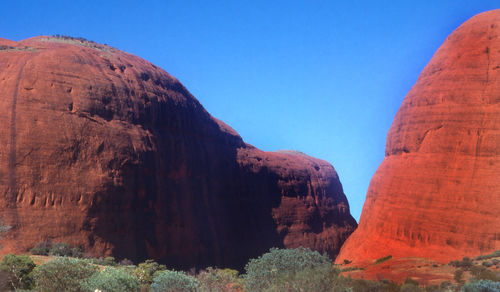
pixel 437 192
pixel 102 149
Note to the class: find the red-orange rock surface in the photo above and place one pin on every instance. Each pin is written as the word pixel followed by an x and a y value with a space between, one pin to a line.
pixel 437 193
pixel 102 149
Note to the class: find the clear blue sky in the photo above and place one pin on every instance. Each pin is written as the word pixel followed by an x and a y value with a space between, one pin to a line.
pixel 322 77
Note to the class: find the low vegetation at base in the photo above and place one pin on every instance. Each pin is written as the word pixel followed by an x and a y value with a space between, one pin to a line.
pixel 57 249
pixel 287 270
pixel 481 286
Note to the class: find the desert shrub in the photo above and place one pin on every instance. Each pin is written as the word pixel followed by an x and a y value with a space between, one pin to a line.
pixel 76 252
pixel 63 274
pixel 126 262
pixel 494 254
pixel 487 264
pixel 348 269
pixel 495 261
pixel 383 259
pixel 42 248
pixel 482 286
pixel 67 37
pixel 458 276
pixel 466 263
pixel 95 261
pixel 290 270
pixel 20 267
pixel 219 280
pixel 60 249
pixel 173 281
pixel 109 261
pixel 145 271
pixel 111 280
pixel 2 47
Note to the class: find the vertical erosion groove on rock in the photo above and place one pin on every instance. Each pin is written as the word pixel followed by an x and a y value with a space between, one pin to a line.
pixel 437 192
pixel 107 151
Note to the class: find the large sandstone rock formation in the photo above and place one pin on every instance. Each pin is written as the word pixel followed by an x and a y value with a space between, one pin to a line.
pixel 437 192
pixel 102 149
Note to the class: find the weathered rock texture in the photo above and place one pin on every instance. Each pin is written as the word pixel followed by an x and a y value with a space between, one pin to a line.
pixel 102 149
pixel 437 192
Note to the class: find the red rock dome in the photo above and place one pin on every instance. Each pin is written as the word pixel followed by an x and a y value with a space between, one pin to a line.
pixel 437 192
pixel 105 150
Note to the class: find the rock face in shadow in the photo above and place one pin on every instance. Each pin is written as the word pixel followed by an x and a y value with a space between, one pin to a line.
pixel 105 150
pixel 437 192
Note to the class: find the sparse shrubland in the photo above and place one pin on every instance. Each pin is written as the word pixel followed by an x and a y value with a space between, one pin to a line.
pixel 291 270
pixel 494 254
pixel 76 41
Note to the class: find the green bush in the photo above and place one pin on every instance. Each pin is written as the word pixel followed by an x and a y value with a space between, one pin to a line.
pixel 487 264
pixel 63 274
pixel 41 248
pixel 111 280
pixel 219 280
pixel 145 271
pixel 60 249
pixel 466 263
pixel 109 261
pixel 20 267
pixel 482 286
pixel 290 270
pixel 76 252
pixel 383 259
pixel 173 281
